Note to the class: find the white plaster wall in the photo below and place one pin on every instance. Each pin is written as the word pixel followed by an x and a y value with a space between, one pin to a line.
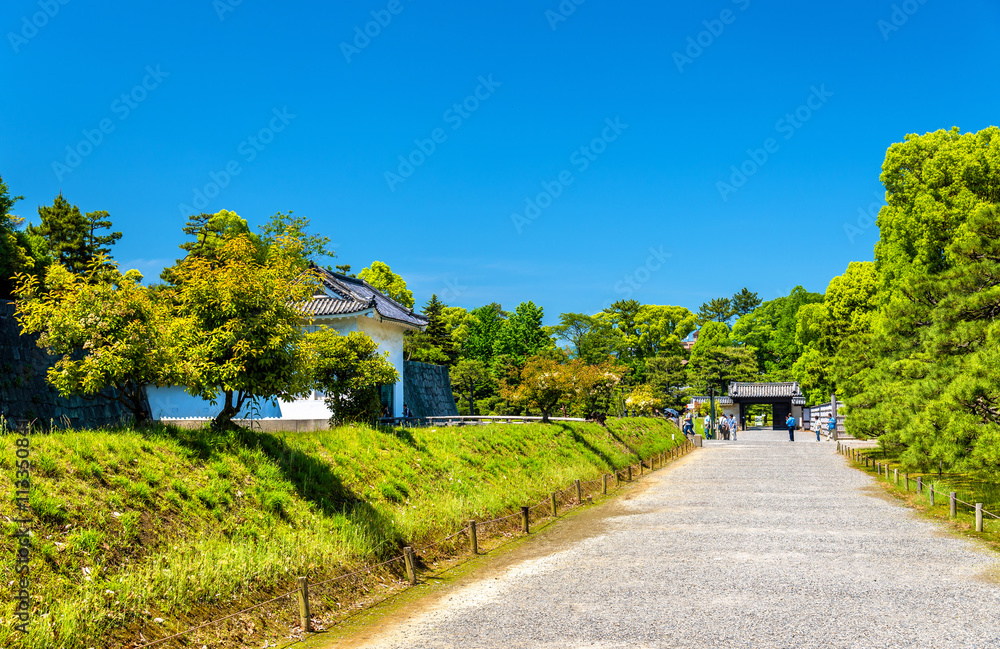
pixel 172 402
pixel 389 338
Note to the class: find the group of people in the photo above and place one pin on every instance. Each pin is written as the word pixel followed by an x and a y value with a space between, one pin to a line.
pixel 725 428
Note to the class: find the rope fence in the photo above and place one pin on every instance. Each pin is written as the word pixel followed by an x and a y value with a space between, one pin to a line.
pixel 953 500
pixel 499 531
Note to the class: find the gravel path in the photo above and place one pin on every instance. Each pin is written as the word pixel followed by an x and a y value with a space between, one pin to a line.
pixel 758 543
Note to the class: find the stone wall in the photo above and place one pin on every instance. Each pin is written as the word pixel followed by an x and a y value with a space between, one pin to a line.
pixel 26 396
pixel 427 390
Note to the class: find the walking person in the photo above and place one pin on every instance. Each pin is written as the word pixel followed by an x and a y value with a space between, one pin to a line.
pixel 831 425
pixel 732 427
pixel 708 427
pixel 790 422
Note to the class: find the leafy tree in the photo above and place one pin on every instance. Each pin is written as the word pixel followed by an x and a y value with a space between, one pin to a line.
pixel 594 385
pixel 592 338
pixel 933 183
pixel 661 328
pixel 471 379
pixel 312 246
pixel 484 328
pixel 643 399
pixel 719 309
pixel 667 377
pixel 242 332
pixel 211 232
pixel 349 370
pixel 934 385
pixel 622 316
pixel 456 320
pixel 521 335
pixel 771 330
pixel 544 384
pixel 389 283
pixel 717 367
pixel 344 269
pixel 113 335
pixel 72 237
pixel 20 251
pixel 745 302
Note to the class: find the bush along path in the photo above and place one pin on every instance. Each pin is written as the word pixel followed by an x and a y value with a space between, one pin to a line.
pixel 143 534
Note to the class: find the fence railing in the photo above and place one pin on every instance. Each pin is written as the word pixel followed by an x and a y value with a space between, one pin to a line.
pixel 500 530
pixel 954 501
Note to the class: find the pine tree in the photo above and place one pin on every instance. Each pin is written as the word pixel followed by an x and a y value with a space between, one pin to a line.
pixel 73 238
pixel 437 329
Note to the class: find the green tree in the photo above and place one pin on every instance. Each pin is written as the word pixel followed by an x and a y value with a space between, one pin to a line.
pixel 211 232
pixel 719 309
pixel 591 338
pixel 433 345
pixel 661 328
pixel 389 283
pixel 471 379
pixel 112 335
pixel 544 384
pixel 241 328
pixel 484 328
pixel 20 251
pixel 744 302
pixel 667 376
pixel 521 335
pixel 349 370
pixel 643 399
pixel 717 367
pixel 286 224
pixel 771 330
pixel 933 183
pixel 74 238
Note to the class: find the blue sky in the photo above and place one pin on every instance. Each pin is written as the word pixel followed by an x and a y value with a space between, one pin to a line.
pixel 604 116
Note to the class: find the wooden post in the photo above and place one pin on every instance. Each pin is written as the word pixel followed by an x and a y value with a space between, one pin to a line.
pixel 979 517
pixel 930 494
pixel 920 484
pixel 640 466
pixel 555 512
pixel 411 568
pixel 630 473
pixel 590 499
pixel 906 482
pixel 953 504
pixel 524 514
pixel 473 537
pixel 618 479
pixel 304 615
pixel 604 484
pixel 895 476
pixel 579 493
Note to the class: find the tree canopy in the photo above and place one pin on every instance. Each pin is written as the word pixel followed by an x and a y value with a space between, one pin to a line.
pixel 389 283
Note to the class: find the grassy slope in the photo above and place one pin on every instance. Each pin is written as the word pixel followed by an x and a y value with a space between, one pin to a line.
pixel 133 525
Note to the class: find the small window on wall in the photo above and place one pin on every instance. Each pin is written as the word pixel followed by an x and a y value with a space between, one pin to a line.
pixel 387 394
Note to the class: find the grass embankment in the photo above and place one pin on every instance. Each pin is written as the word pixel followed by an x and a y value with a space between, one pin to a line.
pixel 131 526
pixel 968 488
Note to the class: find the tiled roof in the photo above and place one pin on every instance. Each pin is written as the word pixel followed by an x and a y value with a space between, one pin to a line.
pixel 334 306
pixel 357 296
pixel 765 390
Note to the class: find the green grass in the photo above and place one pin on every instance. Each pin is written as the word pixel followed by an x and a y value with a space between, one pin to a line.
pixel 187 525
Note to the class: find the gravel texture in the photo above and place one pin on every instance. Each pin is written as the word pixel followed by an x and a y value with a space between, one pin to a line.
pixel 758 543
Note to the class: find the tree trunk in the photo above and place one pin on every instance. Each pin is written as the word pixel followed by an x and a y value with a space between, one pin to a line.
pixel 225 417
pixel 472 392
